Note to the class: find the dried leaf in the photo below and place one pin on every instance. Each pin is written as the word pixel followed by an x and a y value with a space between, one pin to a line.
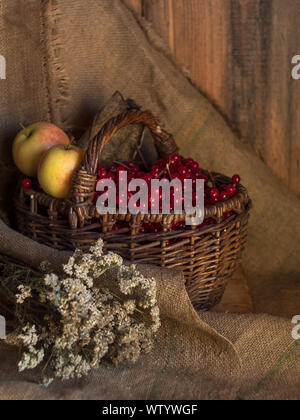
pixel 123 146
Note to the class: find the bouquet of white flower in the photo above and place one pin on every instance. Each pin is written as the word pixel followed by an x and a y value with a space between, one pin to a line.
pixel 98 309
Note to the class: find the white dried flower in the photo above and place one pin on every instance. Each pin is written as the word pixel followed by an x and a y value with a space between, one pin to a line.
pixel 89 318
pixel 25 293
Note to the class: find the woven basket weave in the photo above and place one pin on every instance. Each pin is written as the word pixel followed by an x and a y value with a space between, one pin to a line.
pixel 207 256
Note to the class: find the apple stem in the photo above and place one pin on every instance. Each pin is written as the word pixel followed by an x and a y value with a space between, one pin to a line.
pixel 24 128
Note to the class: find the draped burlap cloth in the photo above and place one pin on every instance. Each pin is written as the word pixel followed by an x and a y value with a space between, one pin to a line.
pixel 64 60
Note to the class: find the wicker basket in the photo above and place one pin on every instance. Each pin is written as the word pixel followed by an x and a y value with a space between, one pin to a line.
pixel 207 256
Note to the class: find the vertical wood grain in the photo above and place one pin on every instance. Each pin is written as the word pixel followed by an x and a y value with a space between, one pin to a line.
pixel 239 53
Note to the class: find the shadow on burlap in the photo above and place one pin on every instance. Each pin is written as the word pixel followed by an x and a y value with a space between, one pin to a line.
pixel 114 51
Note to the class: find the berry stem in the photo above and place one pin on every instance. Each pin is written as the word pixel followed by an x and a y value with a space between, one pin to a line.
pixel 122 164
pixel 169 172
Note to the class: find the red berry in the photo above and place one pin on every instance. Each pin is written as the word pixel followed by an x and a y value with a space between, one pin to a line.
pixel 112 168
pixel 175 175
pixel 188 162
pixel 27 184
pixel 155 172
pixel 102 173
pixel 139 175
pixel 155 167
pixel 133 167
pixel 155 228
pixel 164 172
pixel 213 200
pixel 228 215
pixel 111 176
pixel 175 158
pixel 194 167
pixel 189 172
pixel 143 230
pixel 236 179
pixel 223 196
pixel 231 190
pixel 214 193
pixel 182 170
pixel 178 226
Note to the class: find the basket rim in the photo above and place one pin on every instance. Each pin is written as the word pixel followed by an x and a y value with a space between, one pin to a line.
pixel 66 206
pixel 167 235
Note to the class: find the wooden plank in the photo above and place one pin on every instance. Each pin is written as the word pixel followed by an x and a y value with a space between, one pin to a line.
pixel 239 53
pixel 282 140
pixel 236 299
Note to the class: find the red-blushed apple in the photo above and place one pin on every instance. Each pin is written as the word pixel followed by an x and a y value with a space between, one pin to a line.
pixel 32 142
pixel 57 168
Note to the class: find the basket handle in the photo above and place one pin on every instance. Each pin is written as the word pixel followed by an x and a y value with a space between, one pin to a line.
pixel 164 141
pixel 83 189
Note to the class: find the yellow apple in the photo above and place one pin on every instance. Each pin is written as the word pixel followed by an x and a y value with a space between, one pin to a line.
pixel 57 168
pixel 32 142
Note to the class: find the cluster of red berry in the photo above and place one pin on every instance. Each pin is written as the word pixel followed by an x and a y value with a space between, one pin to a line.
pixel 174 167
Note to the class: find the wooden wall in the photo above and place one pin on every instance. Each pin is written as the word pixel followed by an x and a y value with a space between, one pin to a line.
pixel 239 53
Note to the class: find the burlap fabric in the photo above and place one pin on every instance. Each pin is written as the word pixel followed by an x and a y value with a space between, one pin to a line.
pixel 214 356
pixel 190 360
pixel 64 60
